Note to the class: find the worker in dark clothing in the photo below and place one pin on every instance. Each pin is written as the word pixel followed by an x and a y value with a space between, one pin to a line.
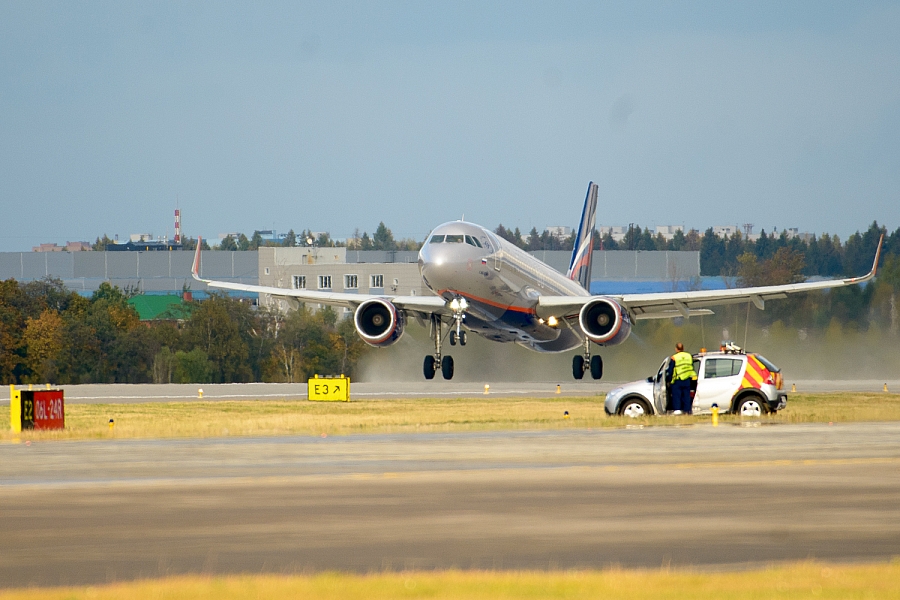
pixel 680 373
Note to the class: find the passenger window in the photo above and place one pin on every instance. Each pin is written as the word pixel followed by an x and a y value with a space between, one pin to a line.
pixel 454 239
pixel 436 239
pixel 722 367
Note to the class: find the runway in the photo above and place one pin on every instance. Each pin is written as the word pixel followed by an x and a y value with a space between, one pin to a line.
pixel 711 498
pixel 136 393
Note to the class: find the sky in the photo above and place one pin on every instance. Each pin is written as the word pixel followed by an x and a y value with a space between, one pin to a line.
pixel 334 116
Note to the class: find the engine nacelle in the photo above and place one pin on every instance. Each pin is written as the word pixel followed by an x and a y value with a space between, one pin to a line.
pixel 604 321
pixel 378 322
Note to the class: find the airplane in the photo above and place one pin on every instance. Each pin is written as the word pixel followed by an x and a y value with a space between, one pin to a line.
pixel 485 285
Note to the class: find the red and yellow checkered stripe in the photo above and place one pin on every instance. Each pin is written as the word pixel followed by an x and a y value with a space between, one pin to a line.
pixel 755 374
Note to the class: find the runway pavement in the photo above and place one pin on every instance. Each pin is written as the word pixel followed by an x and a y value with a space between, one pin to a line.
pixel 732 496
pixel 134 393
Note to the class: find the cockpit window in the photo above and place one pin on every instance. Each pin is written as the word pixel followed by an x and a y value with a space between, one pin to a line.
pixel 454 239
pixel 436 239
pixel 472 241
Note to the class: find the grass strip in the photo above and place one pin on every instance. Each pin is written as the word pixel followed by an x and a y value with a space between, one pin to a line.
pixel 300 417
pixel 798 580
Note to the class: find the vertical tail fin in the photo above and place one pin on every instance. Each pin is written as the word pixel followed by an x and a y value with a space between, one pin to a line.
pixel 580 267
pixel 195 268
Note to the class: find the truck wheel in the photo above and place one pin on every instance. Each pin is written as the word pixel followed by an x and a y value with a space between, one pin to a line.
pixel 750 406
pixel 634 408
pixel 578 366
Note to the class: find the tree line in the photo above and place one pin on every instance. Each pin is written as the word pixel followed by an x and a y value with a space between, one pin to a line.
pixel 824 255
pixel 50 334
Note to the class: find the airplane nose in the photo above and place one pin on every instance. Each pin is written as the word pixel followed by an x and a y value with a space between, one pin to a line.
pixel 436 260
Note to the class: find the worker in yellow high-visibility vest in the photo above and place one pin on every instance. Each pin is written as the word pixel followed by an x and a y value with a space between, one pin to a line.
pixel 680 373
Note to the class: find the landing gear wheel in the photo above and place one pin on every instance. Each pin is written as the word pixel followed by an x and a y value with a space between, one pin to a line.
pixel 429 367
pixel 578 366
pixel 463 338
pixel 596 367
pixel 452 338
pixel 447 367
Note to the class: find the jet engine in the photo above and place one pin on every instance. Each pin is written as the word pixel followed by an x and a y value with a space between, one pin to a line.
pixel 604 321
pixel 378 322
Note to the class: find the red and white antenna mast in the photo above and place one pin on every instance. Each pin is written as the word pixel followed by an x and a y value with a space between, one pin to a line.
pixel 177 226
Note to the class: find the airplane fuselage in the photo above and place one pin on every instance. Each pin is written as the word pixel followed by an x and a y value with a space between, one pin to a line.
pixel 501 284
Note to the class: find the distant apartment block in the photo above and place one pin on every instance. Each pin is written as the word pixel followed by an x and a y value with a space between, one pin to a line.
pixel 617 233
pixel 724 231
pixel 668 231
pixel 560 232
pixel 69 247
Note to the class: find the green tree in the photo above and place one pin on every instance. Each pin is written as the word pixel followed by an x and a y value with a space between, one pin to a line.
pixel 164 364
pixel 101 243
pixel 786 266
pixel 712 254
pixel 608 243
pixel 678 241
pixel 290 240
pixel 193 366
pixel 222 327
pixel 383 239
pixel 228 244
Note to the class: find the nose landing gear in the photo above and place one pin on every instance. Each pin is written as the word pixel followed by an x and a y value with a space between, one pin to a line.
pixel 456 334
pixel 435 361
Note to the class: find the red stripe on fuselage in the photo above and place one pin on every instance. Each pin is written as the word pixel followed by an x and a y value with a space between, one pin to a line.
pixel 520 309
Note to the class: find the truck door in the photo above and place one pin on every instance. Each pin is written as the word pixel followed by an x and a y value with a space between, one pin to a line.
pixel 661 389
pixel 719 379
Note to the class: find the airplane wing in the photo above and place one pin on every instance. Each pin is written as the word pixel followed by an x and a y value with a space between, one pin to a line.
pixel 687 304
pixel 425 304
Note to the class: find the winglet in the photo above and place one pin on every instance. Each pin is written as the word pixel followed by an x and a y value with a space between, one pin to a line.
pixel 195 268
pixel 874 270
pixel 580 267
pixel 877 255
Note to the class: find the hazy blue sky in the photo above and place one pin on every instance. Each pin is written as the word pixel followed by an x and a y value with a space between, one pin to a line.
pixel 337 115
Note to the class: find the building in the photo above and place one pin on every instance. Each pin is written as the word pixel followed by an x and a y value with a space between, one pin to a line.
pixel 616 233
pixel 725 231
pixel 560 232
pixel 69 247
pixel 668 231
pixel 328 269
pixel 143 242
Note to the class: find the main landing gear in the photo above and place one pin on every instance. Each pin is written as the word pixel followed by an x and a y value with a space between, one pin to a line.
pixel 582 363
pixel 435 361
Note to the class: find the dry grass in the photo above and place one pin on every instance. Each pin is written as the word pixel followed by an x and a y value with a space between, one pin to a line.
pixel 245 418
pixel 803 580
